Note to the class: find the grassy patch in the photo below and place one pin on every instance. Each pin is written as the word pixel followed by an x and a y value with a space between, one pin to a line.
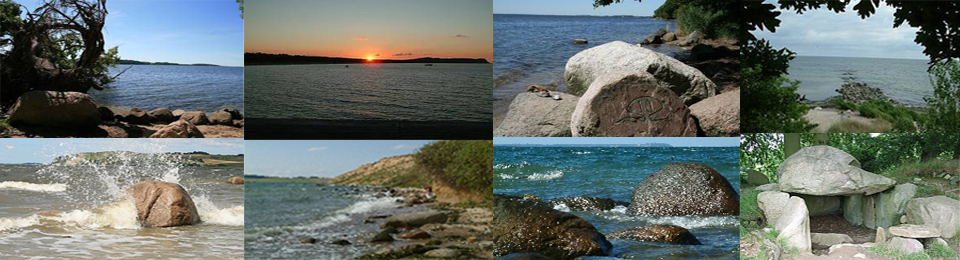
pixel 901 118
pixel 748 204
pixel 843 104
pixel 941 251
pixel 852 126
pixel 928 168
pixel 897 254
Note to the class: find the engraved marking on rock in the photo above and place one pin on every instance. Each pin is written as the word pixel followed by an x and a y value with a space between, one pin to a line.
pixel 643 109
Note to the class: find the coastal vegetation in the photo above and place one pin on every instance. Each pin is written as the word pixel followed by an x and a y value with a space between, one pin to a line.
pixel 465 164
pixel 715 19
pixel 763 73
pixel 939 45
pixel 943 113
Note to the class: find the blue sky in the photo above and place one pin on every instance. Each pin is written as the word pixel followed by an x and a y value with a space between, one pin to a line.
pixel 575 7
pixel 43 150
pixel 319 158
pixel 180 31
pixel 825 33
pixel 674 141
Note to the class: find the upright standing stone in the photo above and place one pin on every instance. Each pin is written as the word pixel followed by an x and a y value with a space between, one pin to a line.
pixel 794 225
pixel 869 212
pixel 853 209
pixel 893 202
pixel 756 177
pixel 771 204
pixel 881 236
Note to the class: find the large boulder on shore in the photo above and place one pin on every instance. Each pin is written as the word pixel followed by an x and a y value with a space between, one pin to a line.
pixel 680 189
pixel 827 171
pixel 794 225
pixel 531 115
pixel 163 204
pixel 532 226
pixel 161 115
pixel 941 212
pixel 669 234
pixel 621 59
pixel 719 115
pixel 136 116
pixel 222 117
pixel 57 109
pixel 634 105
pixel 195 117
pixel 178 129
pixel 414 220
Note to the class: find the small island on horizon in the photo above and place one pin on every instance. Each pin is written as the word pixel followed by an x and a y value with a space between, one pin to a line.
pixel 257 58
pixel 136 62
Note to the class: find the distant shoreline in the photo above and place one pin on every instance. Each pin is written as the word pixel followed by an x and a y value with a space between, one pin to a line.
pixel 136 62
pixel 292 129
pixel 253 59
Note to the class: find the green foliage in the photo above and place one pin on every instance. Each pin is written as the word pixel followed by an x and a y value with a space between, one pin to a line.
pixel 773 106
pixel 928 168
pixel 761 150
pixel 843 104
pixel 10 20
pixel 944 106
pixel 466 164
pixel 4 125
pixel 749 208
pixel 901 118
pixel 667 10
pixel 712 23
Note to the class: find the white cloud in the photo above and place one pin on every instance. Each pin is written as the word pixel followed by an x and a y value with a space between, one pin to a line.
pixel 316 149
pixel 9 146
pixel 401 146
pixel 822 32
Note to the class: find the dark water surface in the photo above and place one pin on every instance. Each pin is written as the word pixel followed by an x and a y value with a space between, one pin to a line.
pixel 409 92
pixel 613 172
pixel 203 88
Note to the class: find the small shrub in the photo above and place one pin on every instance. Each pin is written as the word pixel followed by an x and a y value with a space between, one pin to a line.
pixel 712 23
pixel 843 104
pixel 901 118
pixel 944 105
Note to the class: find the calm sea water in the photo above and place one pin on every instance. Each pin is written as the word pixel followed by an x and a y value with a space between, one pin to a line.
pixel 903 80
pixel 613 172
pixel 410 92
pixel 284 213
pixel 533 49
pixel 98 222
pixel 203 88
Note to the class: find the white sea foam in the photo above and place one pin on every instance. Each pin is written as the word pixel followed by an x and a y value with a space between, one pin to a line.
pixel 211 214
pixel 582 152
pixel 15 223
pixel 619 209
pixel 550 175
pixel 691 222
pixel 121 214
pixel 506 176
pixel 562 207
pixel 19 185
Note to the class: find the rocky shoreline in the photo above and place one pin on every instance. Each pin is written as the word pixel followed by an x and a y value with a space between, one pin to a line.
pixel 708 76
pixel 529 228
pixel 75 114
pixel 434 230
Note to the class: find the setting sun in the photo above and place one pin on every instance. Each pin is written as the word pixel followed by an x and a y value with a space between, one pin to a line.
pixel 369 58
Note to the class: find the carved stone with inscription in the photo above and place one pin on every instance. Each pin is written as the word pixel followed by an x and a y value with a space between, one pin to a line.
pixel 631 105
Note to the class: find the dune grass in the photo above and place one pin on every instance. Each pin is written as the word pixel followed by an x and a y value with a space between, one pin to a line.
pixel 852 126
pixel 903 119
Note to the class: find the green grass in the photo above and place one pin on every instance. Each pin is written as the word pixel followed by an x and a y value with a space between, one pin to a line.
pixel 843 104
pixel 463 164
pixel 941 251
pixel 897 254
pixel 748 204
pixel 901 118
pixel 852 126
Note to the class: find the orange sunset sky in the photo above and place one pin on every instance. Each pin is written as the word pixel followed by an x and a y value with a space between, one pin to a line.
pixel 378 29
